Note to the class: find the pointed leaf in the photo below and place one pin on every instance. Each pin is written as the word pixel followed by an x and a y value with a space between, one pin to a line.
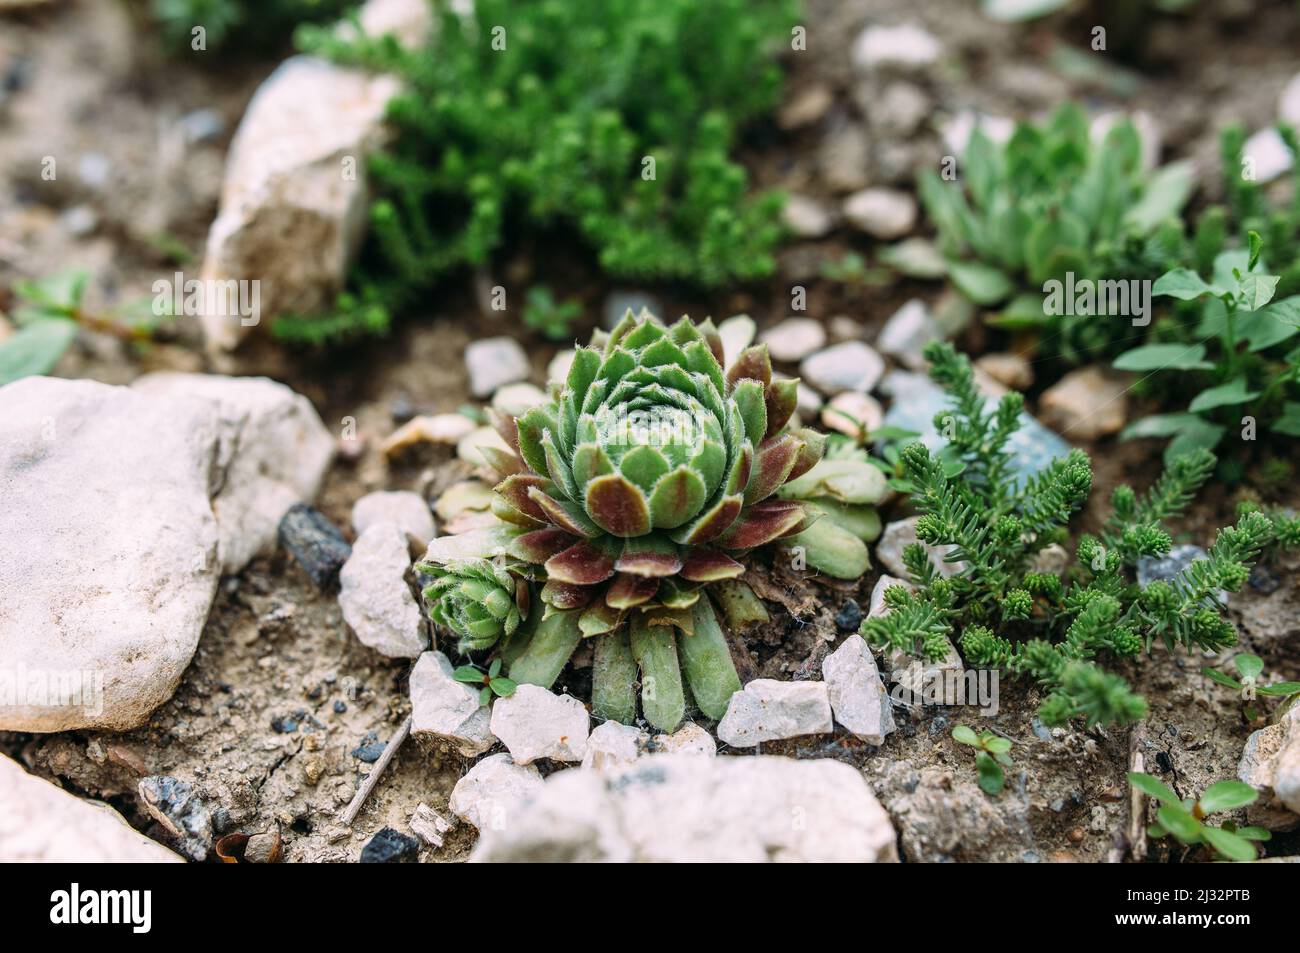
pixel 540 545
pixel 652 556
pixel 562 595
pixel 781 398
pixel 753 363
pixel 676 498
pixel 748 396
pixel 774 460
pixel 617 506
pixel 627 591
pixel 763 523
pixel 712 523
pixel 583 564
pixel 710 565
pixel 563 516
pixel 514 490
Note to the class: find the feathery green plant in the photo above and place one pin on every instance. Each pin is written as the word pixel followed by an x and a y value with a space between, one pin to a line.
pixel 1010 615
pixel 644 482
pixel 615 119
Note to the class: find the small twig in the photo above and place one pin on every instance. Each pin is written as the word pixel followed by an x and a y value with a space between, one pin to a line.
pixel 372 779
pixel 1136 840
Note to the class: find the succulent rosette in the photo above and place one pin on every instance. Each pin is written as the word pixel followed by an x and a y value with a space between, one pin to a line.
pixel 478 600
pixel 644 479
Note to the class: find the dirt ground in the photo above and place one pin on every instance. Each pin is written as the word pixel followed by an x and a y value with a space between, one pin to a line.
pixel 281 706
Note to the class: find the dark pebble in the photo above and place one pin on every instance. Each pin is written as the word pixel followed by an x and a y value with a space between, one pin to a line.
pixel 15 75
pixel 849 618
pixel 315 543
pixel 390 847
pixel 401 410
pixel 284 726
pixel 368 753
pixel 340 707
pixel 1264 580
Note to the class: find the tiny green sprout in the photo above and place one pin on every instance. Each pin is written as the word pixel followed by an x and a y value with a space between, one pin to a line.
pixel 493 682
pixel 552 318
pixel 852 269
pixel 990 759
pixel 1184 818
pixel 1250 667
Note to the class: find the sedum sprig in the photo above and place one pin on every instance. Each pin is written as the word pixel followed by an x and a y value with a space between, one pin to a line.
pixel 1056 630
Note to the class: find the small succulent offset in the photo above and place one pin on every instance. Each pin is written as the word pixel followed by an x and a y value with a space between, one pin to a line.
pixel 1014 616
pixel 478 600
pixel 991 758
pixel 1185 818
pixel 644 480
pixel 1047 202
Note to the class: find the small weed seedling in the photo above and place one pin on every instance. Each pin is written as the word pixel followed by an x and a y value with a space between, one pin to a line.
pixel 493 682
pixel 1249 667
pixel 551 318
pixel 49 311
pixel 990 758
pixel 1185 818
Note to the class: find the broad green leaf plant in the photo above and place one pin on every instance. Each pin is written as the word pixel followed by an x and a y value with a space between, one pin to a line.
pixel 1242 360
pixel 1185 818
pixel 1048 202
pixel 628 504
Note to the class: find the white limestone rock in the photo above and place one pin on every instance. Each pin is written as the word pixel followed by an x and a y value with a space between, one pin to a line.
pixel 275 453
pixel 286 190
pixel 375 597
pixel 682 809
pixel 494 790
pixel 108 549
pixel 535 723
pixel 612 744
pixel 407 510
pixel 767 709
pixel 42 823
pixel 445 710
pixel 857 694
